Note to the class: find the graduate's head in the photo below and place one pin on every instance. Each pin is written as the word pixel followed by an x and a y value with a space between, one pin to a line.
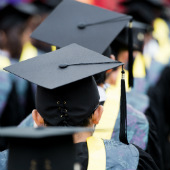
pixel 101 77
pixel 67 94
pixel 75 104
pixel 12 26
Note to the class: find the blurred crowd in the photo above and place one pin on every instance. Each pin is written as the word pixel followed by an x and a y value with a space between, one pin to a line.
pixel 149 90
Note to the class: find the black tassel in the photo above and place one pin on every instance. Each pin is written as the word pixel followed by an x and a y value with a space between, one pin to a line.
pixel 123 112
pixel 130 47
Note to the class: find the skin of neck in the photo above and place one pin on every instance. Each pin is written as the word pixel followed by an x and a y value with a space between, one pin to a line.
pixel 77 137
pixel 82 136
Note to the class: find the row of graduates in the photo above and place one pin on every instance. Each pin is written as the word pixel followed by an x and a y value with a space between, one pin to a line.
pixel 140 130
pixel 17 23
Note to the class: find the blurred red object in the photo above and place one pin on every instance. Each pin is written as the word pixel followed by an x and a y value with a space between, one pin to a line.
pixel 112 5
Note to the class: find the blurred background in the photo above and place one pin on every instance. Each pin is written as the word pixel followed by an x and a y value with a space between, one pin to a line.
pixel 151 66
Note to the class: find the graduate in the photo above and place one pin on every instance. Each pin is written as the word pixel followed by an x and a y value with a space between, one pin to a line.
pixel 12 25
pixel 137 100
pixel 156 48
pixel 137 123
pixel 74 101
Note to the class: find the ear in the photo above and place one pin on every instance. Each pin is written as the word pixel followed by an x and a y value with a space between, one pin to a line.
pixel 112 57
pixel 37 118
pixel 97 115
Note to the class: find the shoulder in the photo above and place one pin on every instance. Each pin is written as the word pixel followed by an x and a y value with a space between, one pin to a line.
pixel 120 156
pixel 138 127
pixel 3 160
pixel 27 122
pixel 140 117
pixel 145 161
pixel 134 99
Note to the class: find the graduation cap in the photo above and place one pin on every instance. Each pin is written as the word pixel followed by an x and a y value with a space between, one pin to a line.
pixel 142 10
pixel 34 8
pixel 75 22
pixel 121 41
pixel 52 3
pixel 67 93
pixel 11 16
pixel 90 26
pixel 55 74
pixel 41 148
pixel 27 8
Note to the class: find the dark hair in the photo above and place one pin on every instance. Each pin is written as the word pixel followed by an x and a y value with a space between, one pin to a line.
pixel 100 78
pixel 84 123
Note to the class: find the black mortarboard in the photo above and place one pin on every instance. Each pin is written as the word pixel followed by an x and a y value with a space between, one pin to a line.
pixel 61 77
pixel 74 22
pixel 34 8
pixel 142 10
pixel 52 3
pixel 101 77
pixel 121 41
pixel 10 16
pixel 27 8
pixel 41 148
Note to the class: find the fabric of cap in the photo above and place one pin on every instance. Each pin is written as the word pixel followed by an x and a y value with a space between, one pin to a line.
pixel 142 10
pixel 42 6
pixel 27 8
pixel 46 70
pixel 52 3
pixel 68 105
pixel 121 42
pixel 40 148
pixel 74 22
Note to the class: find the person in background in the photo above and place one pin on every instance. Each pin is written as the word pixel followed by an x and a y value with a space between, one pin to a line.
pixel 12 25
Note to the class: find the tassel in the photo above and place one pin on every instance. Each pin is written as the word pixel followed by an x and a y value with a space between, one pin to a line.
pixel 130 47
pixel 123 112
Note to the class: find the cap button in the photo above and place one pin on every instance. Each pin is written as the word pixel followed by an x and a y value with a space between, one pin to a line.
pixel 63 65
pixel 81 26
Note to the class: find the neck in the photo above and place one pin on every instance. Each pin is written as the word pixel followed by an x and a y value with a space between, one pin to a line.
pixel 81 137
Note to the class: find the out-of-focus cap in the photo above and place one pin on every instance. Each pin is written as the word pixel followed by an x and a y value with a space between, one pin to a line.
pixel 139 30
pixel 40 148
pixel 10 16
pixel 142 10
pixel 74 22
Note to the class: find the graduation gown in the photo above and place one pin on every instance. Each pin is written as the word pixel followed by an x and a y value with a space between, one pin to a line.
pixel 118 157
pixel 160 107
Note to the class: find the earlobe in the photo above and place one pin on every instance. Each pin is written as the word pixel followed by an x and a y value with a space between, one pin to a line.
pixel 37 118
pixel 97 115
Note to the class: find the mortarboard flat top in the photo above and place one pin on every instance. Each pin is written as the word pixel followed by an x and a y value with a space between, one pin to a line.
pixel 63 66
pixel 74 22
pixel 40 132
pixel 52 3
